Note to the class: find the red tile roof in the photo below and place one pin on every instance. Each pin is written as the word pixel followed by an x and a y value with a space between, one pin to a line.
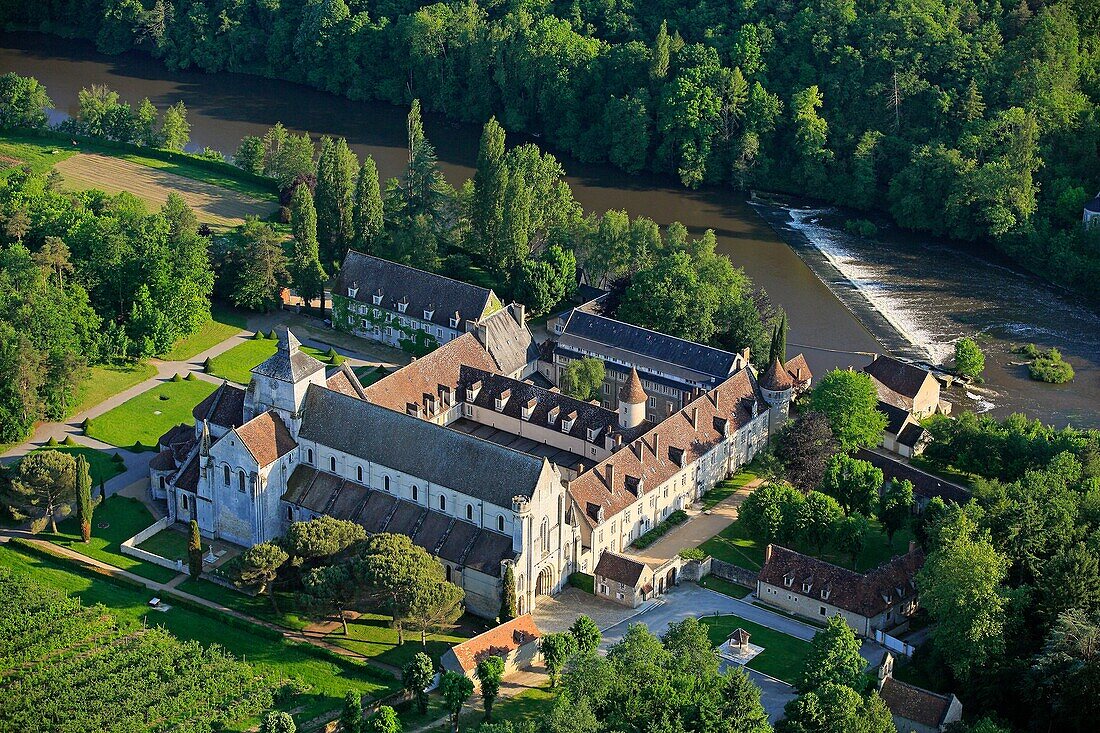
pixel 867 594
pixel 776 378
pixel 799 370
pixel 425 375
pixel 633 392
pixel 266 438
pixel 654 457
pixel 499 641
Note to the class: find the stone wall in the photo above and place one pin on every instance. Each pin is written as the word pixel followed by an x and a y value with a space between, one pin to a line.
pixel 130 546
pixel 732 573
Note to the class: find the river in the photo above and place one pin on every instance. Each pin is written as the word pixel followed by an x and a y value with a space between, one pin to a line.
pixel 845 297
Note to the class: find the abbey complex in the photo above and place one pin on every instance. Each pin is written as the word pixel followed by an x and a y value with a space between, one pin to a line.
pixel 472 451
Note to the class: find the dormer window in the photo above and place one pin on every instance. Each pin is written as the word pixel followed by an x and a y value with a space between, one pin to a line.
pixel 402 304
pixel 552 415
pixel 353 290
pixel 788 579
pixel 377 297
pixel 825 592
pixel 473 390
pixel 593 433
pixel 429 312
pixel 806 585
pixel 454 320
pixel 502 400
pixel 568 421
pixel 634 485
pixel 529 408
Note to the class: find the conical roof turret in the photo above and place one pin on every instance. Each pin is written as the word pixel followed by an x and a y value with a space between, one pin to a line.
pixel 633 392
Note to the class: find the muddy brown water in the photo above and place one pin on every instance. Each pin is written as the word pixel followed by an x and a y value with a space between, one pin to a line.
pixel 845 297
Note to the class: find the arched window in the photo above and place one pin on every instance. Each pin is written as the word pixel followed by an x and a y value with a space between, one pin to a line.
pixel 448 573
pixel 415 497
pixel 162 483
pixel 469 511
pixel 442 503
pixel 225 474
pixel 386 483
pixel 309 455
pixel 332 463
pixel 290 513
pixel 500 523
pixel 240 480
pixel 544 535
pixel 359 474
pixel 184 501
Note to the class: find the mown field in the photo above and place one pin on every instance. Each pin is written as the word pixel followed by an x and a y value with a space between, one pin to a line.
pixel 213 204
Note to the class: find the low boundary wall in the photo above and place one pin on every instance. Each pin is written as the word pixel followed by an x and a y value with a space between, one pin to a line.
pixel 130 546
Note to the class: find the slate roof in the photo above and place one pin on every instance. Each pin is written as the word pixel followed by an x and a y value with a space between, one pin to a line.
pixel 423 291
pixel 895 416
pixel 475 467
pixel 163 461
pixel 866 594
pixel 179 433
pixel 289 363
pixel 911 434
pixel 223 407
pixel 544 404
pixel 442 535
pixel 509 342
pixel 601 334
pixel 500 640
pixel 924 484
pixel 619 568
pixel 662 451
pixel 266 437
pixel 897 376
pixel 1093 205
pixel 188 476
pixel 915 703
pixel 427 375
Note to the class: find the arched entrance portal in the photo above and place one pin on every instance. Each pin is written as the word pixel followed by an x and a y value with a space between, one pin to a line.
pixel 670 579
pixel 544 586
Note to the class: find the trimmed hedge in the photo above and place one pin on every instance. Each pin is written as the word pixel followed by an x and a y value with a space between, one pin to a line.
pixel 584 581
pixel 677 517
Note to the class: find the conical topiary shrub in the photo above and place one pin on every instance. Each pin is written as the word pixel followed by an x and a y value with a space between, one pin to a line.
pixel 52 442
pixel 177 377
pixel 272 335
pixel 259 336
pixel 117 458
pixel 338 360
pixel 206 365
pixel 85 425
pixel 331 354
pixel 190 377
pixel 69 441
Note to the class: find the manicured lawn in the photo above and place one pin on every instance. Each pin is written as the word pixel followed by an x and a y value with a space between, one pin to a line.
pixel 258 606
pixel 169 543
pixel 30 151
pixel 724 587
pixel 725 489
pixel 371 636
pixel 223 324
pixel 734 545
pixel 102 466
pixel 327 678
pixel 107 381
pixel 237 363
pixel 147 416
pixel 124 518
pixel 530 706
pixel 783 656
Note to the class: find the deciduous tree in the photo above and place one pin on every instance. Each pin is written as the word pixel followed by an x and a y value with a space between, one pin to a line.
pixel 587 634
pixel 582 378
pixel 490 673
pixel 805 447
pixel 556 650
pixel 849 402
pixel 853 483
pixel 834 659
pixel 896 506
pixel 969 359
pixel 456 690
pixel 175 130
pixel 416 676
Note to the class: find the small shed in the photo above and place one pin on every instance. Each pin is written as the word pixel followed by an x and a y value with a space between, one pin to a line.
pixel 515 641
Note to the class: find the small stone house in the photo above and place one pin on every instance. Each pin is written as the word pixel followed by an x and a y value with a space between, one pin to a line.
pixel 906 395
pixel 515 641
pixel 623 580
pixel 914 709
pixel 880 599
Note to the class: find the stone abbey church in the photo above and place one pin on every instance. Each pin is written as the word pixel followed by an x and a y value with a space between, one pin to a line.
pixel 471 450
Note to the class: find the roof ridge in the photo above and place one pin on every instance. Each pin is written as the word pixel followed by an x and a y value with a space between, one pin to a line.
pixel 417 269
pixel 650 330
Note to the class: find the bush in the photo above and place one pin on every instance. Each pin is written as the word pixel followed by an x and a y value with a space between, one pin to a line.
pixel 584 581
pixel 258 336
pixel 272 335
pixel 1051 368
pixel 69 441
pixel 52 442
pixel 647 539
pixel 693 553
pixel 190 377
pixel 177 377
pixel 861 228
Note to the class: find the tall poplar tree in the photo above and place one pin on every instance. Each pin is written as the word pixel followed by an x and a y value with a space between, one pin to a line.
pixel 337 170
pixel 194 551
pixel 508 596
pixel 487 207
pixel 305 264
pixel 367 212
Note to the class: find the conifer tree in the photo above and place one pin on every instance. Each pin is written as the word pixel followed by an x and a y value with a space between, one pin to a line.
pixel 367 213
pixel 84 504
pixel 305 265
pixel 194 551
pixel 508 596
pixel 337 171
pixel 487 207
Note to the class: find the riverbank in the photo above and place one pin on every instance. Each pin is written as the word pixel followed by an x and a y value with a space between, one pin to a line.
pixel 835 329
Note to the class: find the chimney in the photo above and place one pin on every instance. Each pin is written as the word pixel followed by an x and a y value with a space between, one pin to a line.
pixel 714 396
pixel 745 354
pixel 912 545
pixel 579 469
pixel 657 445
pixel 610 476
pixel 639 447
pixel 768 549
pixel 695 418
pixel 798 374
pixel 519 312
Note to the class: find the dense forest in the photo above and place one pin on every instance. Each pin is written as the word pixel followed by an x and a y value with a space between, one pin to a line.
pixel 973 119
